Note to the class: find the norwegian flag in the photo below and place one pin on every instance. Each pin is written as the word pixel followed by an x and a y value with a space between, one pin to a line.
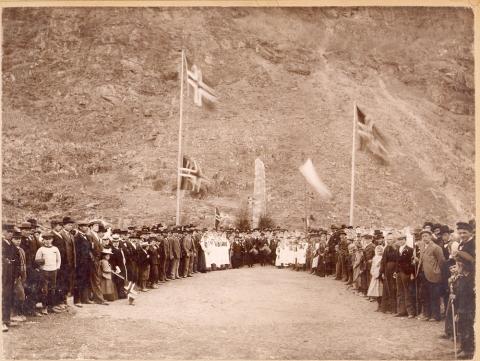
pixel 191 175
pixel 370 137
pixel 200 89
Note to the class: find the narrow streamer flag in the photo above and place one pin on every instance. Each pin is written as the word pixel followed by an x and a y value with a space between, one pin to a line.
pixel 200 89
pixel 310 174
pixel 370 137
pixel 218 218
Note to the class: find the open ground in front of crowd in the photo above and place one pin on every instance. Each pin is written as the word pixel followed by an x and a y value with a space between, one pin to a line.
pixel 257 313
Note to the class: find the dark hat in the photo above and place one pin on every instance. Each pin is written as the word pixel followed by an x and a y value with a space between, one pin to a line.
pixel 343 226
pixel 341 232
pixel 101 228
pixel 67 220
pixel 378 232
pixel 8 227
pixel 55 222
pixel 425 231
pixel 116 231
pixel 17 235
pixel 436 226
pixel 33 222
pixel 131 227
pixel 25 225
pixel 465 226
pixel 428 224
pixel 82 223
pixel 368 236
pixel 445 229
pixel 464 257
pixel 40 262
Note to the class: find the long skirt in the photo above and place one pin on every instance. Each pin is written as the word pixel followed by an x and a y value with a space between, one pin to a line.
pixel 109 290
pixel 376 288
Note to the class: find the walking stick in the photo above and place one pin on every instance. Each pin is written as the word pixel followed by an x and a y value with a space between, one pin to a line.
pixel 454 331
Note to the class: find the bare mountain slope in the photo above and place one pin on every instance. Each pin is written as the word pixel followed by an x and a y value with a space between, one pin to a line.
pixel 90 111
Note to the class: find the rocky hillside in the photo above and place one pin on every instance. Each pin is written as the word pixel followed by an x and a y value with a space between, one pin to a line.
pixel 91 100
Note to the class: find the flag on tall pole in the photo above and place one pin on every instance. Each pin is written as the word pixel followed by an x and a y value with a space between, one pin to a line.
pixel 200 89
pixel 180 155
pixel 191 175
pixel 370 137
pixel 311 176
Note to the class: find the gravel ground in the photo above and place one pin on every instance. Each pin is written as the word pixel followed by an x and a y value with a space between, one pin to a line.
pixel 259 313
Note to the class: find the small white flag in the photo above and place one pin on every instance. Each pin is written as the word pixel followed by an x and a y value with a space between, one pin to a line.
pixel 310 174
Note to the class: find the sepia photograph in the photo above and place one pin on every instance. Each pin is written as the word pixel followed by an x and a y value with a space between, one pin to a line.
pixel 238 182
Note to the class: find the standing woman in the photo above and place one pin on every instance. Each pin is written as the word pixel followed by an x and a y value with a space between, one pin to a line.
pixel 387 269
pixel 251 252
pixel 322 255
pixel 109 291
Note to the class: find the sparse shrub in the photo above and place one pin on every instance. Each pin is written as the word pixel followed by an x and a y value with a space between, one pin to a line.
pixel 266 222
pixel 158 184
pixel 242 221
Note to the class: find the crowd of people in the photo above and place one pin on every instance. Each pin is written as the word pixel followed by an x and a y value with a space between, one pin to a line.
pixel 427 273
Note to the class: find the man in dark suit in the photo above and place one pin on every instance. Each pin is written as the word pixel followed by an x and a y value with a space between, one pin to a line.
pixel 467 239
pixel 430 271
pixel 70 259
pixel 62 274
pixel 404 271
pixel 118 263
pixel 10 270
pixel 30 244
pixel 84 263
pixel 176 253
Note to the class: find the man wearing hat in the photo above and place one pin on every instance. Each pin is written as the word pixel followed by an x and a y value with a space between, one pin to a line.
pixel 430 267
pixel 463 297
pixel 62 274
pixel 467 240
pixel 84 264
pixel 70 254
pixel 404 271
pixel 10 270
pixel 30 245
pixel 119 265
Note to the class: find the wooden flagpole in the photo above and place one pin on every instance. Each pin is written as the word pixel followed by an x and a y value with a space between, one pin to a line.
pixel 352 182
pixel 180 155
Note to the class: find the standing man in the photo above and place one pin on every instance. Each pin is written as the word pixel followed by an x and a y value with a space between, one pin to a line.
pixel 176 253
pixel 404 275
pixel 188 251
pixel 431 264
pixel 10 268
pixel 84 265
pixel 467 239
pixel 61 289
pixel 70 255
